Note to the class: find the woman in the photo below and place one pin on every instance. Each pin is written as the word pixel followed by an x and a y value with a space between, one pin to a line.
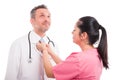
pixel 85 65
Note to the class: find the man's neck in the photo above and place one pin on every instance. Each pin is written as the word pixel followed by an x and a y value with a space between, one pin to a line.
pixel 41 34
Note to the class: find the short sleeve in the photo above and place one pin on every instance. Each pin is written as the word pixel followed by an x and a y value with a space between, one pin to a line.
pixel 66 70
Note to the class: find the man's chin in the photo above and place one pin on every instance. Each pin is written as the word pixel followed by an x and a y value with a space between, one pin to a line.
pixel 46 30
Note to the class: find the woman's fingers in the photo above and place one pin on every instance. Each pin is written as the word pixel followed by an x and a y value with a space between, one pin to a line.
pixel 41 46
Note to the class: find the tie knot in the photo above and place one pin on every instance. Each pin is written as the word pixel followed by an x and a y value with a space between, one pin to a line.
pixel 42 40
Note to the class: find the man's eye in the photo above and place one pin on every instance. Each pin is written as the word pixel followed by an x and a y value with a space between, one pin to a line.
pixel 41 15
pixel 73 30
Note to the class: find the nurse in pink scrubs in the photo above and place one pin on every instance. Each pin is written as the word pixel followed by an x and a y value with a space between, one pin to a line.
pixel 85 65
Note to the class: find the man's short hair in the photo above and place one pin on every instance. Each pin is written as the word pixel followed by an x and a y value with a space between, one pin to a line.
pixel 32 13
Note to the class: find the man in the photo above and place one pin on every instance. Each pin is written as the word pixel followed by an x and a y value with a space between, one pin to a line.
pixel 25 62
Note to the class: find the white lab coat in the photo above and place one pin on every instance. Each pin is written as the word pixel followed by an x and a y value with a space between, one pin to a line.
pixel 18 67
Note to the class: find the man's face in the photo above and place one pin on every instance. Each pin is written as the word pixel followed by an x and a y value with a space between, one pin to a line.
pixel 42 20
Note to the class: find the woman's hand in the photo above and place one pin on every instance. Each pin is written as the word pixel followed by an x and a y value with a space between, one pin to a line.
pixel 41 46
pixel 46 49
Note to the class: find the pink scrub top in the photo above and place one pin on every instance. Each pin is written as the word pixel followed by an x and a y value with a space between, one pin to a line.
pixel 84 65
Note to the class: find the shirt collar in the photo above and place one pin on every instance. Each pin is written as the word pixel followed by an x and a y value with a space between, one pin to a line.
pixel 34 38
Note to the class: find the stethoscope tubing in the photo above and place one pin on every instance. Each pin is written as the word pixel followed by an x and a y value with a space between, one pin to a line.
pixel 29 42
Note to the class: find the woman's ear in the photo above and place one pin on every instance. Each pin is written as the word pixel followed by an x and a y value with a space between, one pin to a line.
pixel 84 35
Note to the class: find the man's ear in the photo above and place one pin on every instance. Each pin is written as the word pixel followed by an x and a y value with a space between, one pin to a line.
pixel 32 21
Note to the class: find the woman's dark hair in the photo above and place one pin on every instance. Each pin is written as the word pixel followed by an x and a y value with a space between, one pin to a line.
pixel 91 26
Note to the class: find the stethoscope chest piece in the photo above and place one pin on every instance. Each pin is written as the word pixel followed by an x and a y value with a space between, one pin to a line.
pixel 29 60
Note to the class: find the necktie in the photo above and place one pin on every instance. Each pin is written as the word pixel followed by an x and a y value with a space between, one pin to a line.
pixel 41 69
pixel 42 40
pixel 41 64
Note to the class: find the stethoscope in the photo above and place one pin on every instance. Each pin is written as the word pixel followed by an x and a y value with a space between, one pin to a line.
pixel 29 41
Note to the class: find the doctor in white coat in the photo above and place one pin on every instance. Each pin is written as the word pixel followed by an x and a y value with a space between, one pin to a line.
pixel 24 61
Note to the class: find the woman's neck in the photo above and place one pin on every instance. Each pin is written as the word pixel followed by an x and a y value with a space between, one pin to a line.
pixel 86 47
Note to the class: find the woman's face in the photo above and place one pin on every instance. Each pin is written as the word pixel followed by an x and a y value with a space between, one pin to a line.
pixel 76 36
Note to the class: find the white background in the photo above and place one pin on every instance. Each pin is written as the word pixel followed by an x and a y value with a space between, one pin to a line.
pixel 14 23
